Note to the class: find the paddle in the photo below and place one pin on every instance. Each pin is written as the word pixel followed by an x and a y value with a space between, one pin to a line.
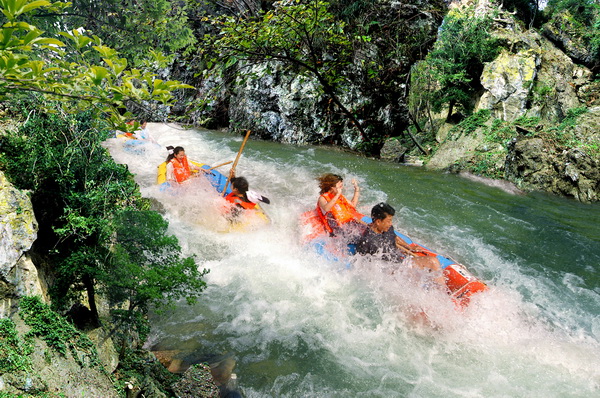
pixel 214 167
pixel 236 161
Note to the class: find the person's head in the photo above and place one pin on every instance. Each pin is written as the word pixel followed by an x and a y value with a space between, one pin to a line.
pixel 240 184
pixel 177 153
pixel 382 215
pixel 328 181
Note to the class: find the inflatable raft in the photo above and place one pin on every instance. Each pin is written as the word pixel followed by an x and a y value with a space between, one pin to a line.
pixel 218 181
pixel 461 284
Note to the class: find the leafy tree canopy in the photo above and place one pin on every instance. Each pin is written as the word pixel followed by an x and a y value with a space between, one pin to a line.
pixel 60 66
pixel 302 35
pixel 450 73
pixel 94 226
pixel 132 27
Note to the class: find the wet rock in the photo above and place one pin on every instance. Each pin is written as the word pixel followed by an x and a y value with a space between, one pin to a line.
pixel 393 151
pixel 197 382
pixel 534 164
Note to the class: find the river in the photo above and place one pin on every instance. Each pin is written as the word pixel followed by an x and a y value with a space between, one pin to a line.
pixel 302 326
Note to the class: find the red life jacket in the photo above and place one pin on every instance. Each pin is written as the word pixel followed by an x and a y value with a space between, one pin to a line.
pixel 181 170
pixel 343 211
pixel 239 201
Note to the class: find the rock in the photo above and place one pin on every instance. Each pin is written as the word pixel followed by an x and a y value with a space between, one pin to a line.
pixel 393 151
pixel 565 33
pixel 534 164
pixel 508 80
pixel 18 226
pixel 109 357
pixel 197 382
pixel 280 106
pixel 18 231
pixel 455 148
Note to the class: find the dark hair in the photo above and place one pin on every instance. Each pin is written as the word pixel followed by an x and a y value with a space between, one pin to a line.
pixel 176 150
pixel 328 181
pixel 381 211
pixel 241 184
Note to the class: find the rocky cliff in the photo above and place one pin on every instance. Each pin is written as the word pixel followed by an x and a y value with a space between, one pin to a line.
pixel 48 371
pixel 542 128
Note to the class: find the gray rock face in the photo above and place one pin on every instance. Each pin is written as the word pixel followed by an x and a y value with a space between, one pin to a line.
pixel 532 78
pixel 534 164
pixel 18 231
pixel 564 32
pixel 508 81
pixel 279 106
pixel 393 151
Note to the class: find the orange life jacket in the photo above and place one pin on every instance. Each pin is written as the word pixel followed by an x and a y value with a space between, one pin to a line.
pixel 239 201
pixel 343 211
pixel 181 169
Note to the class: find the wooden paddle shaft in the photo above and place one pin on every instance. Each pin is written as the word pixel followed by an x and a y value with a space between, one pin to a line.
pixel 237 158
pixel 219 165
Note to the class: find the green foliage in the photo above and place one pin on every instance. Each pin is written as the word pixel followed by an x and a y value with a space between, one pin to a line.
pixel 450 74
pixel 93 225
pixel 581 19
pixel 77 69
pixel 303 36
pixel 470 124
pixel 134 365
pixel 60 335
pixel 488 164
pixel 499 132
pixel 147 267
pixel 134 28
pixel 14 351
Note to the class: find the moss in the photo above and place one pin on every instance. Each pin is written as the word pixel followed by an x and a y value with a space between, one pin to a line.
pixel 15 351
pixel 470 124
pixel 57 332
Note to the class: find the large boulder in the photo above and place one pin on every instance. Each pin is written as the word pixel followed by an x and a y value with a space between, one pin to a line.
pixel 533 163
pixel 18 231
pixel 531 76
pixel 563 31
pixel 508 81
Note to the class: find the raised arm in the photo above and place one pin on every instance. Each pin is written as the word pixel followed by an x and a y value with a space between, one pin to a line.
pixel 356 195
pixel 325 205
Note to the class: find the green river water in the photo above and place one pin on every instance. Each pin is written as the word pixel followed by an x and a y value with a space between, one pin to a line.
pixel 302 326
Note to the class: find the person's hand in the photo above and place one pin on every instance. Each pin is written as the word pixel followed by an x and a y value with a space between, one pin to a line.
pixel 356 188
pixel 338 187
pixel 231 174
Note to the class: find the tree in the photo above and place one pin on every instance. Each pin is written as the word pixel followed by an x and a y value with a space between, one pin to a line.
pixel 301 35
pixel 133 28
pixel 94 226
pixel 456 62
pixel 30 61
pixel 579 19
pixel 147 267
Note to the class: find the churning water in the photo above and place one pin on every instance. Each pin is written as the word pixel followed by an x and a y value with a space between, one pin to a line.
pixel 302 326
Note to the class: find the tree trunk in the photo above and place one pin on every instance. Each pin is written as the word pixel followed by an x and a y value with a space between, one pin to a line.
pixel 91 293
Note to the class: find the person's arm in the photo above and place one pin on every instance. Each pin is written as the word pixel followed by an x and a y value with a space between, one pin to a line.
pixel 356 195
pixel 170 174
pixel 406 248
pixel 403 246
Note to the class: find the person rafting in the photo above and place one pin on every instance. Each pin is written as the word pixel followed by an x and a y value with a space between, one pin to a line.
pixel 338 214
pixel 241 198
pixel 179 169
pixel 380 239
